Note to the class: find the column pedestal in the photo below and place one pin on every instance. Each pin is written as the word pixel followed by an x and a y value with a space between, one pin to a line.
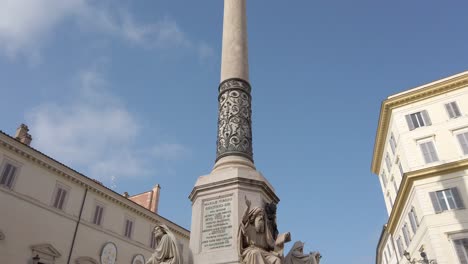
pixel 218 204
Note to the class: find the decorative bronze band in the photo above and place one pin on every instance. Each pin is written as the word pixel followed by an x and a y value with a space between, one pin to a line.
pixel 234 119
pixel 234 83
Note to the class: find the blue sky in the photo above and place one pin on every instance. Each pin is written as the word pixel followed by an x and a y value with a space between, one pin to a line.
pixel 126 92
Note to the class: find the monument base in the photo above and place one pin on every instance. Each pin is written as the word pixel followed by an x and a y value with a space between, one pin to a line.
pixel 218 204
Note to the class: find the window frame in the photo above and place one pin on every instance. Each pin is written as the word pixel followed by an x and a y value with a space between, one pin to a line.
pixel 132 227
pixel 393 144
pixel 17 165
pixel 455 196
pixel 406 234
pixel 67 189
pixel 464 134
pixel 400 247
pixel 453 112
pixel 418 119
pixel 432 156
pixel 101 216
pixel 413 219
pixel 460 237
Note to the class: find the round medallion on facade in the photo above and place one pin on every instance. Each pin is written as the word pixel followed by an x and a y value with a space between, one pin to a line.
pixel 109 253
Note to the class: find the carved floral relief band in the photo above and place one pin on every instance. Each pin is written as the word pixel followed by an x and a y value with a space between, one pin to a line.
pixel 234 119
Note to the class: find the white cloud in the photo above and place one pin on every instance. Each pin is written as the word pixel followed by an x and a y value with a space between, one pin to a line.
pixel 25 25
pixel 95 133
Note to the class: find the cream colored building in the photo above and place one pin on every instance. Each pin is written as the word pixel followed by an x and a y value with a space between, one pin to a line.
pixel 421 159
pixel 53 212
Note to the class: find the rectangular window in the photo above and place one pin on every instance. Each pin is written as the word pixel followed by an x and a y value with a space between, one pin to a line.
pixel 452 109
pixel 418 119
pixel 392 143
pixel 461 247
pixel 384 179
pixel 413 220
pixel 60 197
pixel 8 175
pixel 406 234
pixel 128 228
pixel 400 246
pixel 429 151
pixel 463 140
pixel 395 186
pixel 388 162
pixel 97 219
pixel 447 199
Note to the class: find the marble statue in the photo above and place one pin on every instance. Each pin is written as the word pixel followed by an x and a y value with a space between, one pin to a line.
pixel 296 255
pixel 166 251
pixel 256 237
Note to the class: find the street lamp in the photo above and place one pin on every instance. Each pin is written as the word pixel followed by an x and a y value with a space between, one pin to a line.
pixel 423 259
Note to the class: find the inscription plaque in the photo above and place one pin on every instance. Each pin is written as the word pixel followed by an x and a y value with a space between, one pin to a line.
pixel 217 223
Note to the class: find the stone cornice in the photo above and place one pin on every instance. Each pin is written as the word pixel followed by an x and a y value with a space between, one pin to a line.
pixel 234 181
pixel 420 93
pixel 66 172
pixel 407 184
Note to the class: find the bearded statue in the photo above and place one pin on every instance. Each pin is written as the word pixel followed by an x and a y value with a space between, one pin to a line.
pixel 257 244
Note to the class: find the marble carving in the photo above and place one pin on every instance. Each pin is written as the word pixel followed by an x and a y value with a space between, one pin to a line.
pixel 296 255
pixel 166 251
pixel 256 237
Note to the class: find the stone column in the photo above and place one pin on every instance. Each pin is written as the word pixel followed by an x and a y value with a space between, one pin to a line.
pixel 218 199
pixel 234 142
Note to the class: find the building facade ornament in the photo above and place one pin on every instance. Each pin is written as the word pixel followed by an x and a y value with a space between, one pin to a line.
pixel 234 119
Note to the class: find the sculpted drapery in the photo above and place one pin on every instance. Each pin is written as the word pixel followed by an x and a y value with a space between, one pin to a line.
pixel 296 255
pixel 257 244
pixel 166 251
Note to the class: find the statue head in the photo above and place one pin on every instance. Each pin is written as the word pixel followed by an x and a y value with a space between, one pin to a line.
pixel 158 232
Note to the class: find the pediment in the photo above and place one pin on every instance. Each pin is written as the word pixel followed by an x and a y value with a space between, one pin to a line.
pixel 46 249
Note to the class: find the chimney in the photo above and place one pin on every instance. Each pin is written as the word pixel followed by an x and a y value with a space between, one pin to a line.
pixel 155 198
pixel 22 134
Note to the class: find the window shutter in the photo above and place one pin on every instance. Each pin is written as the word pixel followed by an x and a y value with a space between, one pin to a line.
pixel 432 151
pixel 456 110
pixel 426 152
pixel 449 109
pixel 460 249
pixel 427 120
pixel 435 202
pixel 12 177
pixel 62 199
pixel 5 174
pixel 57 198
pixel 410 123
pixel 463 139
pixel 457 198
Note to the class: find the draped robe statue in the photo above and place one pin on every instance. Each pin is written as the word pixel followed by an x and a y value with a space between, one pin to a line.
pixel 166 251
pixel 257 244
pixel 296 255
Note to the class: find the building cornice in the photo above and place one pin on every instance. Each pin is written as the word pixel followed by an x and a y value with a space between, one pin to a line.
pixel 68 173
pixel 407 184
pixel 417 94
